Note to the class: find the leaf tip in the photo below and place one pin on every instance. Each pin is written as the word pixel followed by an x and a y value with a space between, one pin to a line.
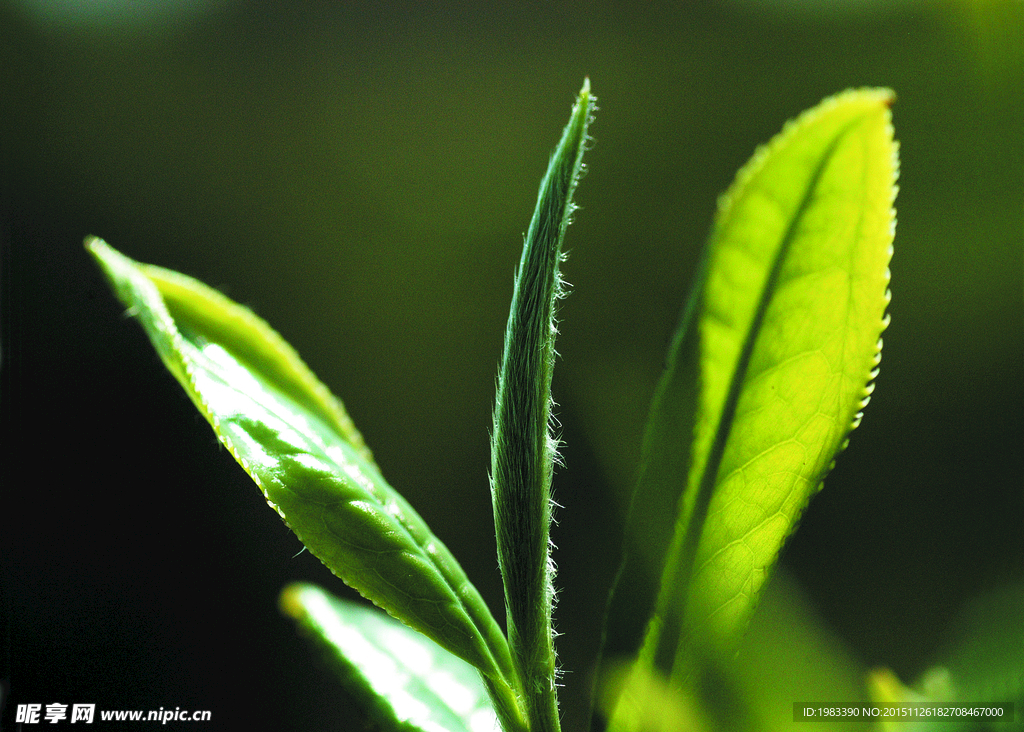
pixel 99 250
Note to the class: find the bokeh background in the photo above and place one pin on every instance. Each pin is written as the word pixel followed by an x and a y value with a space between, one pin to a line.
pixel 361 175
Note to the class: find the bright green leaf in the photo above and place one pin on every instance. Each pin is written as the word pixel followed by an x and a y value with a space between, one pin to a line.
pixel 787 340
pixel 300 448
pixel 407 683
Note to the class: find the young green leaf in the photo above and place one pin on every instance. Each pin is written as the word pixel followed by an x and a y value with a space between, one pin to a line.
pixel 522 448
pixel 792 310
pixel 770 368
pixel 406 682
pixel 300 448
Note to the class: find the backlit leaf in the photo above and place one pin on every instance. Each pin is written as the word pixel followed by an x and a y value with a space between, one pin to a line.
pixel 776 363
pixel 407 683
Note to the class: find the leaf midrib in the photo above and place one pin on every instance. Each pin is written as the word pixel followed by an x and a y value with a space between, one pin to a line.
pixel 666 652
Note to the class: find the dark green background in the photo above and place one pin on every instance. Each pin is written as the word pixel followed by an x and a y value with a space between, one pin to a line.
pixel 361 177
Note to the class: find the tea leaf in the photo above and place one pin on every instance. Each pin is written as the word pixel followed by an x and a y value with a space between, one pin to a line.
pixel 298 445
pixel 786 341
pixel 406 682
pixel 522 449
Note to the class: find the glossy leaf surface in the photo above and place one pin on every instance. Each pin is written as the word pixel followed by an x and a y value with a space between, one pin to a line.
pixel 785 341
pixel 407 683
pixel 300 448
